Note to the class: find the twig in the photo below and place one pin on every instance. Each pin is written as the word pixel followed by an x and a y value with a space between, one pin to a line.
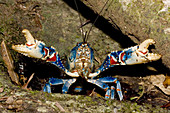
pixel 25 85
pixel 141 93
pixel 4 98
pixel 162 99
pixel 60 107
pixel 92 93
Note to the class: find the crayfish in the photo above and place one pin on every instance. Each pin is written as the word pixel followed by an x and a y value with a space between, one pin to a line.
pixel 81 60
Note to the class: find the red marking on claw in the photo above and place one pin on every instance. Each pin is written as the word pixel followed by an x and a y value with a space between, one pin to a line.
pixel 30 44
pixel 121 57
pixel 112 61
pixel 143 52
pixel 53 59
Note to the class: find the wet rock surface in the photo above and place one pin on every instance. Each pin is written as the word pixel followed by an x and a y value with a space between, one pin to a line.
pixel 139 20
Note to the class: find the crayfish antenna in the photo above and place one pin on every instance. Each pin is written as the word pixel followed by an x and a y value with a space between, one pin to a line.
pixel 86 34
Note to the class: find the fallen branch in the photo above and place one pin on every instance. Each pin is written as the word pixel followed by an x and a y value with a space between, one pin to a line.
pixel 9 62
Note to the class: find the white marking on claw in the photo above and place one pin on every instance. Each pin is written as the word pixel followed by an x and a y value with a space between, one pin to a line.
pixel 28 36
pixel 143 50
pixel 145 44
pixel 153 57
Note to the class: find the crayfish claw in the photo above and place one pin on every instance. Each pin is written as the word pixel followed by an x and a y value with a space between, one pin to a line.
pixel 143 53
pixel 153 57
pixel 32 48
pixel 28 36
pixel 145 44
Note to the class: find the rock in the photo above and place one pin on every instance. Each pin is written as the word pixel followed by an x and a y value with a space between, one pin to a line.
pixel 138 20
pixel 10 100
pixel 42 109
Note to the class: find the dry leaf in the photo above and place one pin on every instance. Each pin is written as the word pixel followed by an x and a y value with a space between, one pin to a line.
pixel 9 63
pixel 10 107
pixel 1 106
pixel 60 107
pixel 158 81
pixel 15 107
pixel 166 82
pixel 3 98
pixel 10 100
pixel 19 101
pixel 166 105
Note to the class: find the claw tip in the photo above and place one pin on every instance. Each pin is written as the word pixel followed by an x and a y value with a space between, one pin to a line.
pixel 25 30
pixel 13 46
pixel 28 36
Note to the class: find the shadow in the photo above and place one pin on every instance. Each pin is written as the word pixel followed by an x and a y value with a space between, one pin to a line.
pixel 101 23
pixel 116 34
pixel 138 70
pixel 41 69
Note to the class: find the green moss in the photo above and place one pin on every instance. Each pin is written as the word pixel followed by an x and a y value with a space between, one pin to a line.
pixel 62 40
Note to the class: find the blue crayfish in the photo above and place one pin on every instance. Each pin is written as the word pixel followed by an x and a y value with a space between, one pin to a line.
pixel 80 63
